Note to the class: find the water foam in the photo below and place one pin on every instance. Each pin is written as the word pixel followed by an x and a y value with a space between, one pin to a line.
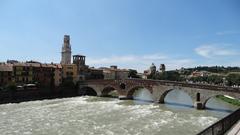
pixel 93 115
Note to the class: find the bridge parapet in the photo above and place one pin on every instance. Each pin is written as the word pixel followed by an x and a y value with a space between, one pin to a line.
pixel 166 83
pixel 200 93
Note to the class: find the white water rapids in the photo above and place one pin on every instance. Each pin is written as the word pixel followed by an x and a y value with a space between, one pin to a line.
pixel 106 116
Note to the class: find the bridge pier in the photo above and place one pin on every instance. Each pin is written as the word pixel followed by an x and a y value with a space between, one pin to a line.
pixel 199 105
pixel 123 97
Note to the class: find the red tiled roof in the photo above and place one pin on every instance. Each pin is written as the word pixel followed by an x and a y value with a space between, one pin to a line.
pixel 6 67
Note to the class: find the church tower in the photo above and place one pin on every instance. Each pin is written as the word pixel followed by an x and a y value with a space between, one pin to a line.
pixel 66 50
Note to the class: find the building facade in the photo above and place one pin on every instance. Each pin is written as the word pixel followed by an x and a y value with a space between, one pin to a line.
pixel 69 72
pixel 66 50
pixel 58 75
pixel 147 74
pixel 6 74
pixel 95 74
pixel 79 60
pixel 151 71
pixel 46 75
pixel 84 71
pixel 23 73
pixel 114 73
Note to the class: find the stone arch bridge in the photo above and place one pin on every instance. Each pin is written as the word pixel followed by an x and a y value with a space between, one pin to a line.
pixel 199 93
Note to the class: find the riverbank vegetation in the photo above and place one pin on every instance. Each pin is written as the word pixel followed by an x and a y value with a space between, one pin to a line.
pixel 229 76
pixel 214 69
pixel 229 100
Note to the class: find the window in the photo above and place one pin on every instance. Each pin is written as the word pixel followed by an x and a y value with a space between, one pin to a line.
pixel 9 73
pixel 69 67
pixel 19 68
pixel 18 73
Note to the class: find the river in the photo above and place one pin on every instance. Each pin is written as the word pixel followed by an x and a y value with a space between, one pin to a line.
pixel 108 116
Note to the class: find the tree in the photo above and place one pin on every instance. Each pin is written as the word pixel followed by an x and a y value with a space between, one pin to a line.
pixel 233 79
pixel 133 73
pixel 216 79
pixel 168 75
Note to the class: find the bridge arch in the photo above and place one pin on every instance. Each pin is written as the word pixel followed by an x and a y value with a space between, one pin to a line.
pixel 132 90
pixel 108 89
pixel 205 101
pixel 87 91
pixel 199 93
pixel 166 92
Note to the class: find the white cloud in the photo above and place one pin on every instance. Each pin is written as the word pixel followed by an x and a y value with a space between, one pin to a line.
pixel 140 62
pixel 143 62
pixel 210 51
pixel 112 59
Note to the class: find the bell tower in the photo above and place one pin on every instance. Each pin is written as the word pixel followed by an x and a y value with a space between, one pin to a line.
pixel 79 60
pixel 66 50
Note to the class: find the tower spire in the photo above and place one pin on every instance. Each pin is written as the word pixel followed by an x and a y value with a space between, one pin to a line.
pixel 66 50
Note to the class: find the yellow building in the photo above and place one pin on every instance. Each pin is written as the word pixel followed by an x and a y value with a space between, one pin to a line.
pixel 69 72
pixel 23 72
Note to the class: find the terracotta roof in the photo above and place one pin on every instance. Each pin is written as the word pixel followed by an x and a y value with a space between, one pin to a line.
pixel 48 65
pixel 69 65
pixel 118 70
pixel 6 67
pixel 58 66
pixel 27 64
pixel 38 65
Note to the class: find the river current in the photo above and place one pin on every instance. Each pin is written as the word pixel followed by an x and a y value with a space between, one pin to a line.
pixel 108 116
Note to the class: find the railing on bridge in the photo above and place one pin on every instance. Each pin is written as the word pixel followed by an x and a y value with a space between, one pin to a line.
pixel 223 125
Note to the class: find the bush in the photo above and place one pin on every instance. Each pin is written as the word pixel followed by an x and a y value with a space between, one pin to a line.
pixel 233 79
pixel 133 73
pixel 168 75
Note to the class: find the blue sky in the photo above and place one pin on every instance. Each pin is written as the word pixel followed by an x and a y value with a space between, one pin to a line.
pixel 127 33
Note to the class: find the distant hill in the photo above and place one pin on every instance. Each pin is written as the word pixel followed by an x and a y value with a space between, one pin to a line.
pixel 215 69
